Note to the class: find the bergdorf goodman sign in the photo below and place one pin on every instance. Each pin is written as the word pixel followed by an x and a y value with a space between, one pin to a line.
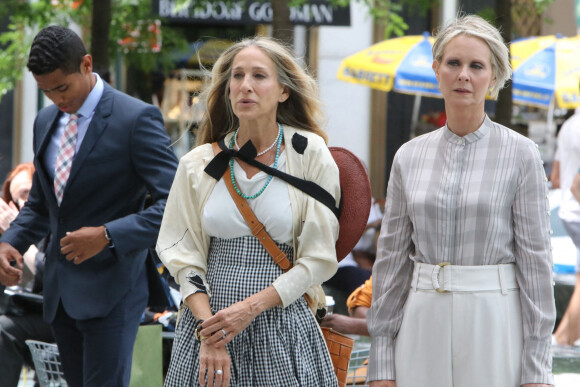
pixel 312 12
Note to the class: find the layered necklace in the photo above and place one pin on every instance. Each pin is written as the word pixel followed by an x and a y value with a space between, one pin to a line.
pixel 277 142
pixel 265 150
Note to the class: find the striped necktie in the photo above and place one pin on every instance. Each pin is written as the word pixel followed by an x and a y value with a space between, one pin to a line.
pixel 66 153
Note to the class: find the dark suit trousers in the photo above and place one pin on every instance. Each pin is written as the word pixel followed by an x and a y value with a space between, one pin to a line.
pixel 14 353
pixel 98 352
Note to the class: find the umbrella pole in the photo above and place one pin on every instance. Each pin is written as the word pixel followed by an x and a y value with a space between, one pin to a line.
pixel 550 133
pixel 415 116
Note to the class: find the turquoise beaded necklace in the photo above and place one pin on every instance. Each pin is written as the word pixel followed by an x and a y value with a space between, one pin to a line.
pixel 280 136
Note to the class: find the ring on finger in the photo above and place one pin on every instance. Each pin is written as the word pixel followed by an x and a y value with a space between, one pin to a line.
pixel 224 334
pixel 219 372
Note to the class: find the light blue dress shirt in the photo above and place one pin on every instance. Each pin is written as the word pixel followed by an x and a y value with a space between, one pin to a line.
pixel 85 113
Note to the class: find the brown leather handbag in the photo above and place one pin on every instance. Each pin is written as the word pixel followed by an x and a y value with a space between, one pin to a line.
pixel 340 348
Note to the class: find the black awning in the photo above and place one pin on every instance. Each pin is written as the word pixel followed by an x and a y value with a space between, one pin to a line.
pixel 311 13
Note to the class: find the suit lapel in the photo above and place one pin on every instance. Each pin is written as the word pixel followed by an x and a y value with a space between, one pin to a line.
pixel 43 135
pixel 45 131
pixel 94 131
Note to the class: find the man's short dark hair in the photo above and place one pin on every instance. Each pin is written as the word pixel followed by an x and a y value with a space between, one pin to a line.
pixel 54 48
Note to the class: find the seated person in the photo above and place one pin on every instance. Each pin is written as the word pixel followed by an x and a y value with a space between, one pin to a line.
pixel 15 193
pixel 20 321
pixel 356 267
pixel 355 323
pixel 358 304
pixel 164 296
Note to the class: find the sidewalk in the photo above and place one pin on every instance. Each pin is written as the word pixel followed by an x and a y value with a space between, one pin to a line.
pixel 566 363
pixel 562 379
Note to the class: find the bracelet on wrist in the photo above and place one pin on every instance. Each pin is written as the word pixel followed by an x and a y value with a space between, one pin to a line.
pixel 197 330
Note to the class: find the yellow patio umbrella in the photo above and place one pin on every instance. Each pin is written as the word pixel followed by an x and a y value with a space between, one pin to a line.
pixel 546 71
pixel 400 64
pixel 546 74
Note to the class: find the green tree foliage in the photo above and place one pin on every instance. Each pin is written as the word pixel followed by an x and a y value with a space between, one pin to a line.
pixel 15 42
pixel 134 17
pixel 387 13
pixel 130 18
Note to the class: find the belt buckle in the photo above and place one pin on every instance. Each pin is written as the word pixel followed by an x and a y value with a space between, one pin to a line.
pixel 435 277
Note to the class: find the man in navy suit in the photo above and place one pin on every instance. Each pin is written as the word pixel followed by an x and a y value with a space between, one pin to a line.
pixel 95 273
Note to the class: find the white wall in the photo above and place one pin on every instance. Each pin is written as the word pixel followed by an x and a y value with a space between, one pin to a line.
pixel 29 105
pixel 346 105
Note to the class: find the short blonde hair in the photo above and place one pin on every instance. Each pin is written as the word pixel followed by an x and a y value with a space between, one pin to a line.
pixel 301 110
pixel 475 26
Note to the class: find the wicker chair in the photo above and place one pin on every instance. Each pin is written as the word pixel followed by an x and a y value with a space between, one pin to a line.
pixel 47 363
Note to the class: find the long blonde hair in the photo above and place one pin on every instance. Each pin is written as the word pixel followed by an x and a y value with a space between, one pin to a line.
pixel 301 110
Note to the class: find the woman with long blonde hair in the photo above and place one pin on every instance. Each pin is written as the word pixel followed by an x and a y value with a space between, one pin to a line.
pixel 246 322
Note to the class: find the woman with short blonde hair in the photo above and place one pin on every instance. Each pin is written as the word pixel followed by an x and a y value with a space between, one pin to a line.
pixel 462 282
pixel 471 25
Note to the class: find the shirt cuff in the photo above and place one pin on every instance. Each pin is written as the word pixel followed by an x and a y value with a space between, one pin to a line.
pixel 292 284
pixel 537 361
pixel 381 359
pixel 186 287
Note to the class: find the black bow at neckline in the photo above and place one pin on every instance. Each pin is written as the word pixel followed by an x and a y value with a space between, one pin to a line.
pixel 220 163
pixel 217 167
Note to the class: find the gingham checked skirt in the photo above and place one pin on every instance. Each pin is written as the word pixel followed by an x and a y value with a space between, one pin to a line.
pixel 281 347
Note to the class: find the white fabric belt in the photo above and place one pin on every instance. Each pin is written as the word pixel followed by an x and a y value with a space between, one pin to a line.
pixel 446 278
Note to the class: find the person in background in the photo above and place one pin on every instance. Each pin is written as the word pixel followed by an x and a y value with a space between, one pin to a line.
pixel 358 304
pixel 245 320
pixel 564 169
pixel 15 192
pixel 355 268
pixel 20 322
pixel 98 153
pixel 462 284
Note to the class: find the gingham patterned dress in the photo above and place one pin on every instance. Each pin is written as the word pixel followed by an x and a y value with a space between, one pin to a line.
pixel 281 347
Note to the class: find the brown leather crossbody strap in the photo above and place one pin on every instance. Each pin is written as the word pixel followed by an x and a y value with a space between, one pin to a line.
pixel 257 228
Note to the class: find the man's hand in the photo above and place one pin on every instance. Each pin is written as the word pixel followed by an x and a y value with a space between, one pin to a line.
pixel 8 213
pixel 9 275
pixel 83 244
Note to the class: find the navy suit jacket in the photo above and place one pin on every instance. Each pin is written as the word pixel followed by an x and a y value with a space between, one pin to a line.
pixel 125 154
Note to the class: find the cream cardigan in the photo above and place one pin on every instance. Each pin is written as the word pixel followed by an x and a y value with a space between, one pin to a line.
pixel 183 245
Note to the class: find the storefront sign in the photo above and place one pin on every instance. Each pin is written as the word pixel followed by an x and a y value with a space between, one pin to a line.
pixel 312 12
